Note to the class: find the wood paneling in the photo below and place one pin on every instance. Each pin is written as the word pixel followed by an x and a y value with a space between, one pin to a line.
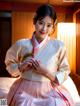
pixel 31 1
pixel 22 25
pixel 8 6
pixel 54 2
pixel 78 43
pixel 60 2
pixel 76 19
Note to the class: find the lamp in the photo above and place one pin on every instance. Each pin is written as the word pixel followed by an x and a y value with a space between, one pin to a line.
pixel 66 32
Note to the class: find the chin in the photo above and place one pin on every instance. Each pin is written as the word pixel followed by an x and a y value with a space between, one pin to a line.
pixel 43 37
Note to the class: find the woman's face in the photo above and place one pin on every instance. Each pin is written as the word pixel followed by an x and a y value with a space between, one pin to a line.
pixel 43 27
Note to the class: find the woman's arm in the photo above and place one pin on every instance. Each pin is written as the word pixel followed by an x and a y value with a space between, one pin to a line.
pixel 18 58
pixel 63 67
pixel 11 60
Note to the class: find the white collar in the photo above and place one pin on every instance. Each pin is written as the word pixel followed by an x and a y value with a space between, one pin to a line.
pixel 39 45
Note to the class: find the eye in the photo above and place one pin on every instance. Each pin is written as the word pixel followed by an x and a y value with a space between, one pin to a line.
pixel 40 23
pixel 49 25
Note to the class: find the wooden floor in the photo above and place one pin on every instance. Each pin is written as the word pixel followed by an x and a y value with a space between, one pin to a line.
pixel 76 80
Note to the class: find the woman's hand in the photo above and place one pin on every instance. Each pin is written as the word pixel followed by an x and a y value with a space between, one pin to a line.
pixel 40 69
pixel 25 65
pixel 31 63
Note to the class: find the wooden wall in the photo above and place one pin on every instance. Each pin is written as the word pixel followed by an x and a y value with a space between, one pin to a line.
pixel 76 17
pixel 78 43
pixel 22 25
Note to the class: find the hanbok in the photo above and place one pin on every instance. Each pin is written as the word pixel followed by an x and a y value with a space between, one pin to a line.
pixel 32 89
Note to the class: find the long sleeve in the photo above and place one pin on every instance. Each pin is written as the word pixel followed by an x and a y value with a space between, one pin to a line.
pixel 63 67
pixel 11 60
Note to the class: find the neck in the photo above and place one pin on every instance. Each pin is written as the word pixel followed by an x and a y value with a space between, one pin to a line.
pixel 39 39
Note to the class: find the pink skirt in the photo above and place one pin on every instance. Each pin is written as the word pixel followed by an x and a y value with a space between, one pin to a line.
pixel 34 93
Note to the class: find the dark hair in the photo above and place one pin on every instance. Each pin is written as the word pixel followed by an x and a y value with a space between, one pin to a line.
pixel 45 10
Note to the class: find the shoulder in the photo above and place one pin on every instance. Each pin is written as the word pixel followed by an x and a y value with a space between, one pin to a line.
pixel 57 43
pixel 21 43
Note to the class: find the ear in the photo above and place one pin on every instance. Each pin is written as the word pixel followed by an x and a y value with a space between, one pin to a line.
pixel 55 23
pixel 54 27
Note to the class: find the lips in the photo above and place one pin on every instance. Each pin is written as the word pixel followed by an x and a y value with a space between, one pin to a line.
pixel 42 32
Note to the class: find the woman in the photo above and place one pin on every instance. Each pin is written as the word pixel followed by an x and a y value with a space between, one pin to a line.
pixel 41 64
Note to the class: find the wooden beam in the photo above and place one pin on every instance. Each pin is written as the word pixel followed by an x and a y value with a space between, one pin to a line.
pixel 15 6
pixel 31 7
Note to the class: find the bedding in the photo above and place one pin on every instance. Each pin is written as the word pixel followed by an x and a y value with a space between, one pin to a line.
pixel 6 82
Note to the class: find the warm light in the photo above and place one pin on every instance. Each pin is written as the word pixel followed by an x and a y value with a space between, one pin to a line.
pixel 68 29
pixel 67 33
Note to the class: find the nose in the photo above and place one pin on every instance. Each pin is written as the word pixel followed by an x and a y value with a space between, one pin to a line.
pixel 44 28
